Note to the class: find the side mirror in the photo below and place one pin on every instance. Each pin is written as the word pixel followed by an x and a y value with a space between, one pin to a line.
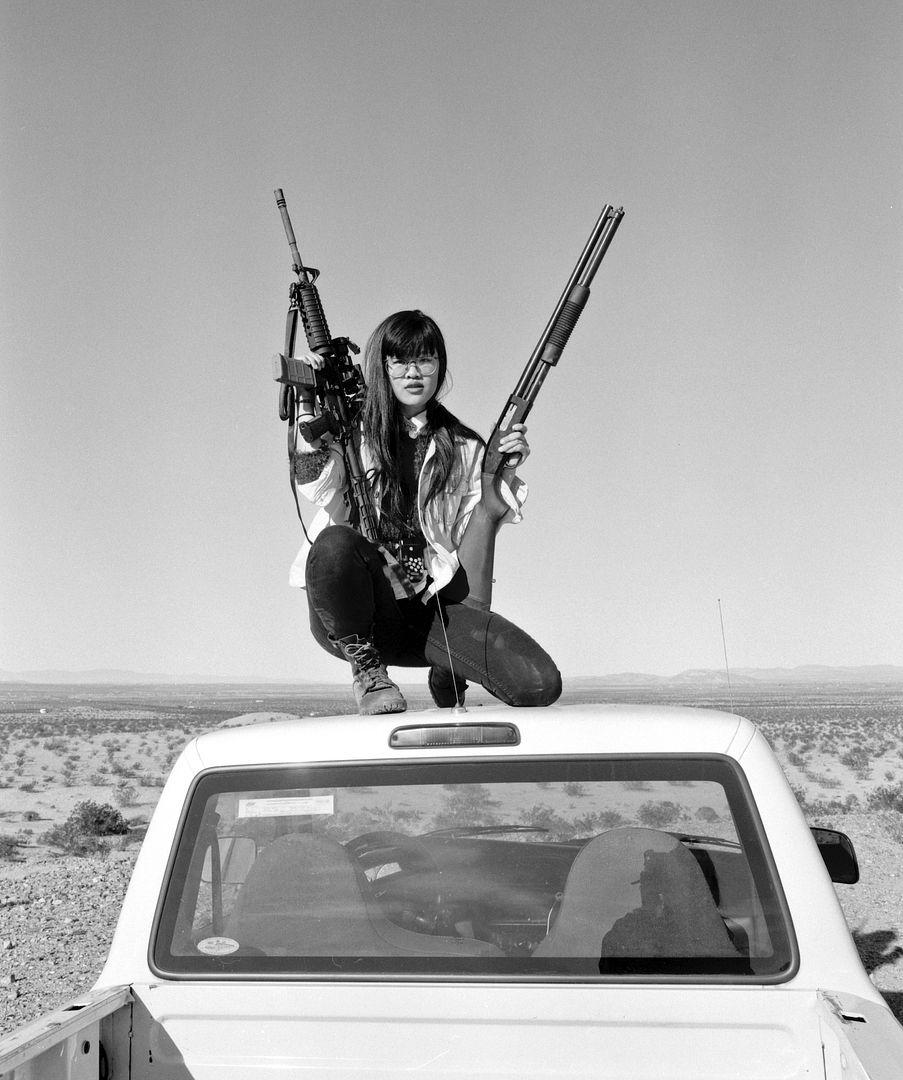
pixel 236 857
pixel 836 849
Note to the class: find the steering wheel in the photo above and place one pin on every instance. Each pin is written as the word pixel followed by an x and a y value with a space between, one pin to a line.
pixel 411 896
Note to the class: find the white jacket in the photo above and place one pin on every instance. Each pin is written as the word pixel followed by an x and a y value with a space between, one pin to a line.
pixel 443 521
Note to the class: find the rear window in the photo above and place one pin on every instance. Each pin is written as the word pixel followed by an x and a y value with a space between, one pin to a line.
pixel 651 868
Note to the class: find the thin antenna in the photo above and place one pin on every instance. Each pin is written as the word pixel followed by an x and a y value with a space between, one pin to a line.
pixel 727 667
pixel 459 706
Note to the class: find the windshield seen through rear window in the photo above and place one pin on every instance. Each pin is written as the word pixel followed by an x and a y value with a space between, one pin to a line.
pixel 599 869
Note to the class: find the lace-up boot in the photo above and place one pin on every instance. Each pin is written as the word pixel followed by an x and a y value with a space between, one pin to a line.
pixel 374 691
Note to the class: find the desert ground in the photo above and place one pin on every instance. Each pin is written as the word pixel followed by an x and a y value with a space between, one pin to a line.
pixel 112 747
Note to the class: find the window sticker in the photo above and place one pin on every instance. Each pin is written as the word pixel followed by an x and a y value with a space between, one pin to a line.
pixel 218 946
pixel 301 804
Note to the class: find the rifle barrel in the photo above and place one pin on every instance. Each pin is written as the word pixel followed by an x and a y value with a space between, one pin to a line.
pixel 297 265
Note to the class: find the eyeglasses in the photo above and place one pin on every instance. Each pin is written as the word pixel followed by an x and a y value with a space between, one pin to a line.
pixel 425 365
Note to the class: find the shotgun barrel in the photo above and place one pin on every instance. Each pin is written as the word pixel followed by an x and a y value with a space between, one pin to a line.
pixel 554 338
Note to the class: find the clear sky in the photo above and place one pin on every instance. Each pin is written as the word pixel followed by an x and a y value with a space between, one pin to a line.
pixel 725 422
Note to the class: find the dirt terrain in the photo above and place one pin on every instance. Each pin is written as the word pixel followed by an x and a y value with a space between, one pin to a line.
pixel 842 749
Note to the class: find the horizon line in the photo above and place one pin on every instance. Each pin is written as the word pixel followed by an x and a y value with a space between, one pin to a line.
pixel 122 676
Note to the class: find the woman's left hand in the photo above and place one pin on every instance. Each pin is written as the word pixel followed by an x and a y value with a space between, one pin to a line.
pixel 515 442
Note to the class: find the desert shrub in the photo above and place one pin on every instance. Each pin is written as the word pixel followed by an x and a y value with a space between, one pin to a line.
pixel 389 818
pixel 544 817
pixel 886 798
pixel 74 842
pixel 598 822
pixel 859 760
pixel 9 848
pixel 81 833
pixel 126 793
pixel 824 780
pixel 825 807
pixel 658 814
pixel 99 819
pixel 708 813
pixel 466 805
pixel 574 788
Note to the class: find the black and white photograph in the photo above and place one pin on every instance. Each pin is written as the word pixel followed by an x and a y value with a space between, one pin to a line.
pixel 451 617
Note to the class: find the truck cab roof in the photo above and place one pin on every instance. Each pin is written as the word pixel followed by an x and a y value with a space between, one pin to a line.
pixel 571 729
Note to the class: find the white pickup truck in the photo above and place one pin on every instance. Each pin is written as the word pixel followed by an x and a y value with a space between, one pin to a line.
pixel 581 891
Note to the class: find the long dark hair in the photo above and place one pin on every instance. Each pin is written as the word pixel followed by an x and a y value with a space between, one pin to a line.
pixel 407 335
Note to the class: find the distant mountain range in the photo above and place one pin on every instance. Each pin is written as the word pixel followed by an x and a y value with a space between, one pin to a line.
pixel 805 674
pixel 134 678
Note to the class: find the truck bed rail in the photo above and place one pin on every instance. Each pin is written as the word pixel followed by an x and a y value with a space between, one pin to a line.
pixel 63 1044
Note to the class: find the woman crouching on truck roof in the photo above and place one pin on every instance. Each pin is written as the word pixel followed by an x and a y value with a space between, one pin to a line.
pixel 436 517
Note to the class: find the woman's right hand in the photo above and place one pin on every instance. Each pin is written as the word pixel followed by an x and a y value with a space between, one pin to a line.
pixel 312 359
pixel 306 401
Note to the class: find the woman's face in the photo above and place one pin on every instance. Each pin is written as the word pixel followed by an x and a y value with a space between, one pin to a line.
pixel 411 385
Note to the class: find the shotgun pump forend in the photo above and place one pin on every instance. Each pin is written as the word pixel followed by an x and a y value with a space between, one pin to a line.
pixel 554 338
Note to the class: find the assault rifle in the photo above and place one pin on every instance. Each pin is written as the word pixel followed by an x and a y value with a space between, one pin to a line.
pixel 554 338
pixel 333 396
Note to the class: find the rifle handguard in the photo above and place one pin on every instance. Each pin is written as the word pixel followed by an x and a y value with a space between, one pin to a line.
pixel 313 318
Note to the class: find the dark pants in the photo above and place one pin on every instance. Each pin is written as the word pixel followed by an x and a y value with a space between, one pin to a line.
pixel 348 593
